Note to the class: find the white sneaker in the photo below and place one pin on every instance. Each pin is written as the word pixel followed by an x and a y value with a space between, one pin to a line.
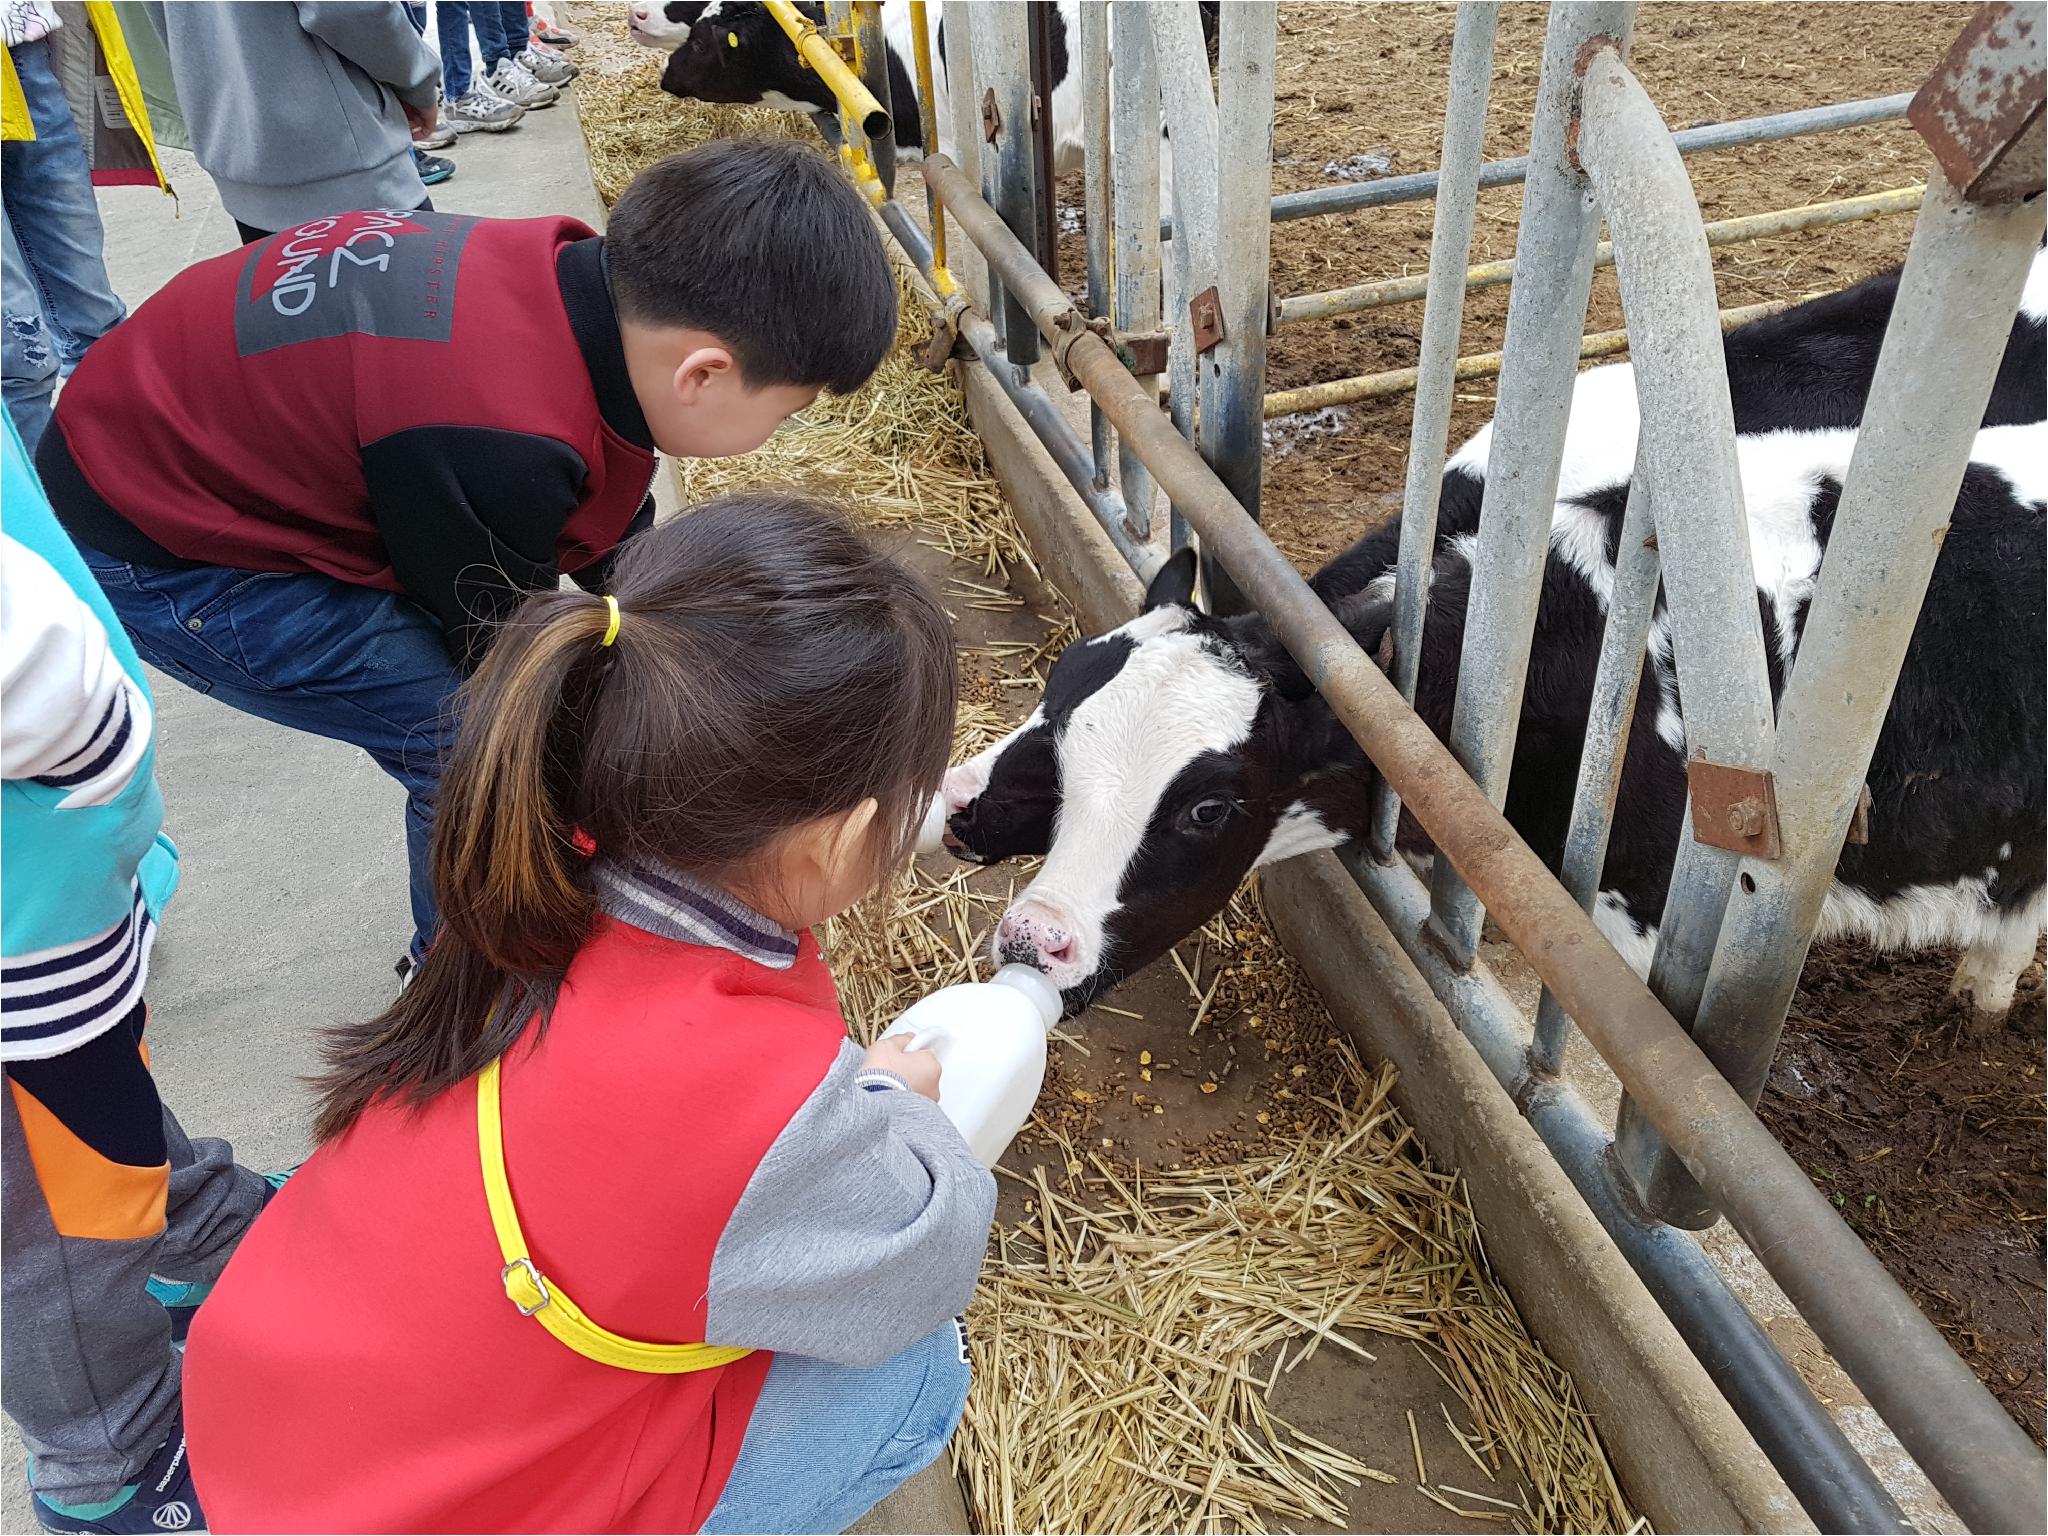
pixel 512 82
pixel 481 108
pixel 545 65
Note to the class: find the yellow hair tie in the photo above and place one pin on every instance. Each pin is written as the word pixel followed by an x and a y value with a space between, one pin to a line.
pixel 611 630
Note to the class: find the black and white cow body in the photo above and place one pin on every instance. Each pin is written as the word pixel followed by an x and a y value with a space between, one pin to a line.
pixel 733 52
pixel 1176 753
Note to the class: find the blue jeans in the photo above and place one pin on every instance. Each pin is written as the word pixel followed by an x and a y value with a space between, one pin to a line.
pixel 827 1443
pixel 55 297
pixel 304 650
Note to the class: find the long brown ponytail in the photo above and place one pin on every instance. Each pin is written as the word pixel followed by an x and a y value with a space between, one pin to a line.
pixel 769 668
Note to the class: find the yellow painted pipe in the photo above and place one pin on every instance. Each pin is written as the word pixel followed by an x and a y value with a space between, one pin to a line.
pixel 1482 365
pixel 1488 274
pixel 816 51
pixel 928 121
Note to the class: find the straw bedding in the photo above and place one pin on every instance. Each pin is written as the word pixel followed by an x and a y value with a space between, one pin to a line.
pixel 1132 1323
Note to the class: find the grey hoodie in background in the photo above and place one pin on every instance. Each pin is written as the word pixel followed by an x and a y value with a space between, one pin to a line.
pixel 294 106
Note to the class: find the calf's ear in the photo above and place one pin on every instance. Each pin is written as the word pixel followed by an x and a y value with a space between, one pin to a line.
pixel 1369 621
pixel 1174 586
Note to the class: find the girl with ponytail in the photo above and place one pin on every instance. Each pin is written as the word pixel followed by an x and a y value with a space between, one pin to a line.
pixel 621 1076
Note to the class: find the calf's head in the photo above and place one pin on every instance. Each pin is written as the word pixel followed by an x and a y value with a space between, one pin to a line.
pixel 736 54
pixel 654 25
pixel 1167 759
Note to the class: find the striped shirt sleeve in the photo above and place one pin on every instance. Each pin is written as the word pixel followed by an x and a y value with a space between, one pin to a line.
pixel 71 718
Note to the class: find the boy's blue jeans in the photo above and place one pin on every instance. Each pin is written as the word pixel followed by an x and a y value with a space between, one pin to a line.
pixel 827 1443
pixel 313 653
pixel 54 290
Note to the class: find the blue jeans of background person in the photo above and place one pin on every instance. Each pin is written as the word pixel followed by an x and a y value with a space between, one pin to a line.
pixel 54 290
pixel 451 41
pixel 304 650
pixel 827 1443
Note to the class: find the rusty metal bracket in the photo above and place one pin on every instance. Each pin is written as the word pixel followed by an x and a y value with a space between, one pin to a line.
pixel 945 343
pixel 1981 110
pixel 848 48
pixel 991 116
pixel 1143 352
pixel 1069 326
pixel 1859 824
pixel 1734 808
pixel 1205 313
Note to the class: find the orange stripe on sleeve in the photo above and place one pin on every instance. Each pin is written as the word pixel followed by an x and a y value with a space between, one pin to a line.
pixel 89 1195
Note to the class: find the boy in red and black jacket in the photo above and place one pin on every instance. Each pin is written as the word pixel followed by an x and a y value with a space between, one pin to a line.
pixel 311 473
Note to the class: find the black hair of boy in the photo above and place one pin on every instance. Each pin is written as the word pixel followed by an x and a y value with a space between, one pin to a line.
pixel 765 245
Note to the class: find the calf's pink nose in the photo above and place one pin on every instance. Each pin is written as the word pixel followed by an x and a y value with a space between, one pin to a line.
pixel 1029 938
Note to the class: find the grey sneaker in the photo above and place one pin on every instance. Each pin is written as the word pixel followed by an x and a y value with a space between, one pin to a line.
pixel 440 138
pixel 511 81
pixel 479 108
pixel 545 65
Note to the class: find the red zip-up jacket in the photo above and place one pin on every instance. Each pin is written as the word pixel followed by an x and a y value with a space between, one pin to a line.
pixel 696 1153
pixel 425 403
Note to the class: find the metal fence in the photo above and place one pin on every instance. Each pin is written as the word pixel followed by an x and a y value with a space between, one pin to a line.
pixel 1692 1044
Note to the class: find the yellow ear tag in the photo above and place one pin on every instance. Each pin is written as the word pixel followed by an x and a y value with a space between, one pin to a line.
pixel 732 39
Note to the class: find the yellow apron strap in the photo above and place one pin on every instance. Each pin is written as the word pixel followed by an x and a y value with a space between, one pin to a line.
pixel 542 1299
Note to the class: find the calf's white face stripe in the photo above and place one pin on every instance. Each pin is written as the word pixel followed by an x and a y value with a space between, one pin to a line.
pixel 1119 751
pixel 965 781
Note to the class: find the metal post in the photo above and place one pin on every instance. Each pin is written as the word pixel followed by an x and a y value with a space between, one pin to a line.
pixel 873 50
pixel 1631 601
pixel 1503 173
pixel 963 107
pixel 1234 385
pixel 1982 1461
pixel 927 119
pixel 1099 214
pixel 1450 248
pixel 1134 130
pixel 1964 272
pixel 1183 65
pixel 1545 315
pixel 1004 54
pixel 1039 21
pixel 1687 449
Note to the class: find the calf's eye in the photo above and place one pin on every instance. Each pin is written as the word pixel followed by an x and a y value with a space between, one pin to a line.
pixel 1210 812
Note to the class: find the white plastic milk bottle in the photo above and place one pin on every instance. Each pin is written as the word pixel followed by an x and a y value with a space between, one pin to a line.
pixel 989 1037
pixel 931 835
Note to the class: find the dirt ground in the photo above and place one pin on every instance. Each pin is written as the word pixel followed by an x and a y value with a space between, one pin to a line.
pixel 1927 1135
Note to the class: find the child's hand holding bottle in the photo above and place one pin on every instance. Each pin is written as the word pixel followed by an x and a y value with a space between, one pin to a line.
pixel 920 1069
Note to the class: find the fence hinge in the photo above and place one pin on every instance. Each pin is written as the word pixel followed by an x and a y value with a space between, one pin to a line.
pixel 1205 314
pixel 1143 352
pixel 945 343
pixel 991 116
pixel 1071 325
pixel 1733 807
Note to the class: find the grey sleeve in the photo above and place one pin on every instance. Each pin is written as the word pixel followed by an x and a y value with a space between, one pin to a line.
pixel 378 40
pixel 861 1231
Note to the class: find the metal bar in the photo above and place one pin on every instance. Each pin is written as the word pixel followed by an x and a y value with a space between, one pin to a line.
pixel 1546 312
pixel 1038 23
pixel 846 87
pixel 1799 1436
pixel 963 101
pixel 1490 274
pixel 1631 601
pixel 1504 173
pixel 872 49
pixel 1100 215
pixel 1480 365
pixel 1233 422
pixel 928 127
pixel 1885 1344
pixel 1687 450
pixel 1962 282
pixel 1134 114
pixel 1190 107
pixel 1045 417
pixel 1005 48
pixel 1450 247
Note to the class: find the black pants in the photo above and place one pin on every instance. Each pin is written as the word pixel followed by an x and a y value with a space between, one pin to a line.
pixel 251 234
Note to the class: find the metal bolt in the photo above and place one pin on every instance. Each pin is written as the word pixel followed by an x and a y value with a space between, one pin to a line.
pixel 195 625
pixel 1746 817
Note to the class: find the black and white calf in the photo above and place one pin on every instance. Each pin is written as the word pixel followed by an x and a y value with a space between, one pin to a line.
pixel 1174 754
pixel 733 52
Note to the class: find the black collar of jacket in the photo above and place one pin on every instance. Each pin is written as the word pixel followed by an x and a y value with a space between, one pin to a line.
pixel 587 296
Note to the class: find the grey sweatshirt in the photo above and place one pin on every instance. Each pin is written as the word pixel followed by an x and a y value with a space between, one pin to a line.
pixel 294 106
